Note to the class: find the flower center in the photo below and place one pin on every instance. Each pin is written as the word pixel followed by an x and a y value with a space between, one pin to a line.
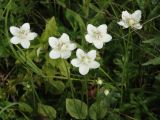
pixel 97 34
pixel 22 34
pixel 85 60
pixel 62 46
pixel 131 22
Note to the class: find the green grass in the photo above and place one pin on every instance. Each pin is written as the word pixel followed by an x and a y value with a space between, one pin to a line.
pixel 36 87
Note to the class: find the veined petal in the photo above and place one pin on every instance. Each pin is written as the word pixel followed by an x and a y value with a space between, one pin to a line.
pixel 83 70
pixel 14 30
pixel 54 54
pixel 122 23
pixel 80 53
pixel 125 15
pixel 72 46
pixel 32 35
pixel 15 40
pixel 91 29
pixel 107 38
pixel 75 62
pixel 26 26
pixel 89 38
pixel 98 44
pixel 25 43
pixel 92 54
pixel 102 28
pixel 66 54
pixel 53 41
pixel 137 26
pixel 137 15
pixel 94 64
pixel 64 37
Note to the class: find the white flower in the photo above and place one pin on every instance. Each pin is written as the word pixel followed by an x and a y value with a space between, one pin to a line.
pixel 22 35
pixel 85 61
pixel 106 92
pixel 97 35
pixel 61 47
pixel 131 20
pixel 99 81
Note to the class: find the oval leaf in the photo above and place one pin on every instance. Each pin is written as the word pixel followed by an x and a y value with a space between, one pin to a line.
pixel 98 110
pixel 47 111
pixel 76 108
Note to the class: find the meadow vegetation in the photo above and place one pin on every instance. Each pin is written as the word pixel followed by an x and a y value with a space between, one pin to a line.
pixel 63 72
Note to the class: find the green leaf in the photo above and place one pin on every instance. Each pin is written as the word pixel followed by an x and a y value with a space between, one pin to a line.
pixel 155 61
pixel 63 67
pixel 76 108
pixel 75 19
pixel 57 87
pixel 153 41
pixel 47 111
pixel 24 107
pixel 98 110
pixel 50 30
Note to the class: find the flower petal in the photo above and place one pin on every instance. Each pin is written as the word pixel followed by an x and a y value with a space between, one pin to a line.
pixel 92 54
pixel 26 26
pixel 75 62
pixel 91 29
pixel 14 30
pixel 94 64
pixel 102 28
pixel 98 44
pixel 32 35
pixel 64 37
pixel 54 54
pixel 107 38
pixel 124 24
pixel 25 44
pixel 66 54
pixel 125 15
pixel 72 46
pixel 15 40
pixel 137 26
pixel 137 15
pixel 80 53
pixel 53 42
pixel 83 70
pixel 89 38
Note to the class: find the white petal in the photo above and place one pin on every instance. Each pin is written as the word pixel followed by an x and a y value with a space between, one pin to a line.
pixel 94 65
pixel 66 54
pixel 102 28
pixel 80 53
pixel 83 69
pixel 75 62
pixel 92 54
pixel 125 15
pixel 107 38
pixel 64 37
pixel 137 26
pixel 14 30
pixel 54 54
pixel 89 38
pixel 137 15
pixel 15 40
pixel 25 44
pixel 91 29
pixel 26 26
pixel 122 23
pixel 53 42
pixel 98 44
pixel 72 46
pixel 31 36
